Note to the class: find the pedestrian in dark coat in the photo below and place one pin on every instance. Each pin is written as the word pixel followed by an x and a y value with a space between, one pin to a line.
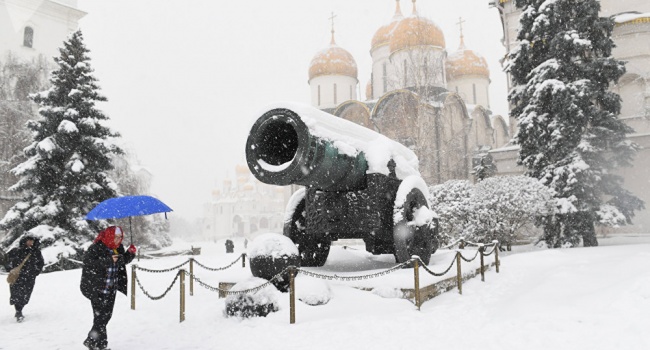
pixel 103 275
pixel 21 290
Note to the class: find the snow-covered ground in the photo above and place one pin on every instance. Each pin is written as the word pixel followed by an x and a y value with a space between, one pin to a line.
pixel 581 298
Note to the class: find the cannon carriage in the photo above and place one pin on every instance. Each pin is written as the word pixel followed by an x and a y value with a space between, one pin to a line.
pixel 357 184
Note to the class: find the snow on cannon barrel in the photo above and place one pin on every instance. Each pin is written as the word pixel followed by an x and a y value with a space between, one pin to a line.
pixel 357 184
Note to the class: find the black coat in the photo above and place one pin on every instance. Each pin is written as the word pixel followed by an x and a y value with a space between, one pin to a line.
pixel 97 260
pixel 21 291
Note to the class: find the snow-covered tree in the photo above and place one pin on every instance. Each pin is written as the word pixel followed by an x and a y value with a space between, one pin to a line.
pixel 569 134
pixel 66 171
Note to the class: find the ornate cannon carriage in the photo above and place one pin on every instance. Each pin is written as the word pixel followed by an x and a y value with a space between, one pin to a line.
pixel 357 184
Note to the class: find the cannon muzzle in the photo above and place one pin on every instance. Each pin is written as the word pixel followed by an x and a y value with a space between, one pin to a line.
pixel 282 150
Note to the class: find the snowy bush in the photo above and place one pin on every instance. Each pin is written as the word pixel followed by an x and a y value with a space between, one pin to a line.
pixel 499 208
pixel 312 291
pixel 253 304
pixel 505 208
pixel 451 200
pixel 270 254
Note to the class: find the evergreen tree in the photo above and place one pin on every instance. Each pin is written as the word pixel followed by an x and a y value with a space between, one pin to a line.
pixel 569 134
pixel 66 171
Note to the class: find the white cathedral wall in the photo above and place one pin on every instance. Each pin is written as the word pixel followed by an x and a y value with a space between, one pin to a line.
pixel 472 89
pixel 612 7
pixel 328 91
pixel 410 64
pixel 380 57
pixel 50 21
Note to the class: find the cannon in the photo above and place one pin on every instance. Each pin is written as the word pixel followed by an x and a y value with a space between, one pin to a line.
pixel 357 184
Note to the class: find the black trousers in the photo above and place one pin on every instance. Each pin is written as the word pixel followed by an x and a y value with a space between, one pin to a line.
pixel 102 312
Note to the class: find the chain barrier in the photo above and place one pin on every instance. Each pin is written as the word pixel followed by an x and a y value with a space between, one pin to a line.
pixel 491 251
pixel 426 268
pixel 468 260
pixel 452 244
pixel 237 292
pixel 218 268
pixel 163 294
pixel 354 278
pixel 160 271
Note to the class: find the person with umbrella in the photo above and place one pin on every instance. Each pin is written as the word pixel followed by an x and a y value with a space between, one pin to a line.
pixel 103 275
pixel 21 290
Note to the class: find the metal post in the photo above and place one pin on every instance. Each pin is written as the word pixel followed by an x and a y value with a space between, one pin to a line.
pixel 182 316
pixel 416 272
pixel 191 276
pixel 292 295
pixel 243 260
pixel 133 286
pixel 480 250
pixel 459 274
pixel 496 255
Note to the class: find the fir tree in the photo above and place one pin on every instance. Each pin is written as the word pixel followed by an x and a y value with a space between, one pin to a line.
pixel 65 174
pixel 569 134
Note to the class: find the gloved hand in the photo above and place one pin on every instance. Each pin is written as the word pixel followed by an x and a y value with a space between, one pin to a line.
pixel 132 249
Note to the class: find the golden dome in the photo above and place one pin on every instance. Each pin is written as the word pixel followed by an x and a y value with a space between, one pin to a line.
pixel 382 35
pixel 248 187
pixel 416 31
pixel 466 62
pixel 333 61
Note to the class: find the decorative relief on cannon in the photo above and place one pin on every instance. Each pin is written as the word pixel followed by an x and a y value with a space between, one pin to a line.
pixel 357 184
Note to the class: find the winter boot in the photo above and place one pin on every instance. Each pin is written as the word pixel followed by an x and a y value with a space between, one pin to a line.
pixel 19 316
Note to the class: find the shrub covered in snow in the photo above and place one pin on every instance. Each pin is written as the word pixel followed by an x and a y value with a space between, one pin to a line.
pixel 312 291
pixel 270 254
pixel 253 304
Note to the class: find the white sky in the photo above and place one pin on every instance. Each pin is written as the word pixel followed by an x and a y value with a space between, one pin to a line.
pixel 580 299
pixel 185 77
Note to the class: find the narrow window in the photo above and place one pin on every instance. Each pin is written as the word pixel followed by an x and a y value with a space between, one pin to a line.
pixel 385 78
pixel 487 94
pixel 456 88
pixel 405 74
pixel 28 38
pixel 319 95
pixel 334 93
pixel 350 92
pixel 474 92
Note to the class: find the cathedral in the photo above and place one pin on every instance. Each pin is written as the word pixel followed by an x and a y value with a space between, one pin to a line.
pixel 432 100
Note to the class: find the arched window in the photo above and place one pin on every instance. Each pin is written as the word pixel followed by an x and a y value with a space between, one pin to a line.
pixel 334 93
pixel 319 95
pixel 28 37
pixel 385 77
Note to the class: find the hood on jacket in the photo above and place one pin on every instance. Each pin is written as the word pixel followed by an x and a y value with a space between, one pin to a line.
pixel 27 237
pixel 107 236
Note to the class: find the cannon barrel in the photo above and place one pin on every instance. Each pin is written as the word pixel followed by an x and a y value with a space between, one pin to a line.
pixel 299 144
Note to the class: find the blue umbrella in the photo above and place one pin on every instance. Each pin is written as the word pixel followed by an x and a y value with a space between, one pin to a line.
pixel 127 206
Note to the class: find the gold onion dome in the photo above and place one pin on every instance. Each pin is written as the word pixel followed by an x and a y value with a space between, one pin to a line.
pixel 333 60
pixel 415 31
pixel 382 35
pixel 466 62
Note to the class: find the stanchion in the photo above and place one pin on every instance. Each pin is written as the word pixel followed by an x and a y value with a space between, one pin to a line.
pixel 459 274
pixel 416 272
pixel 243 260
pixel 496 255
pixel 191 274
pixel 292 295
pixel 182 316
pixel 133 286
pixel 480 250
